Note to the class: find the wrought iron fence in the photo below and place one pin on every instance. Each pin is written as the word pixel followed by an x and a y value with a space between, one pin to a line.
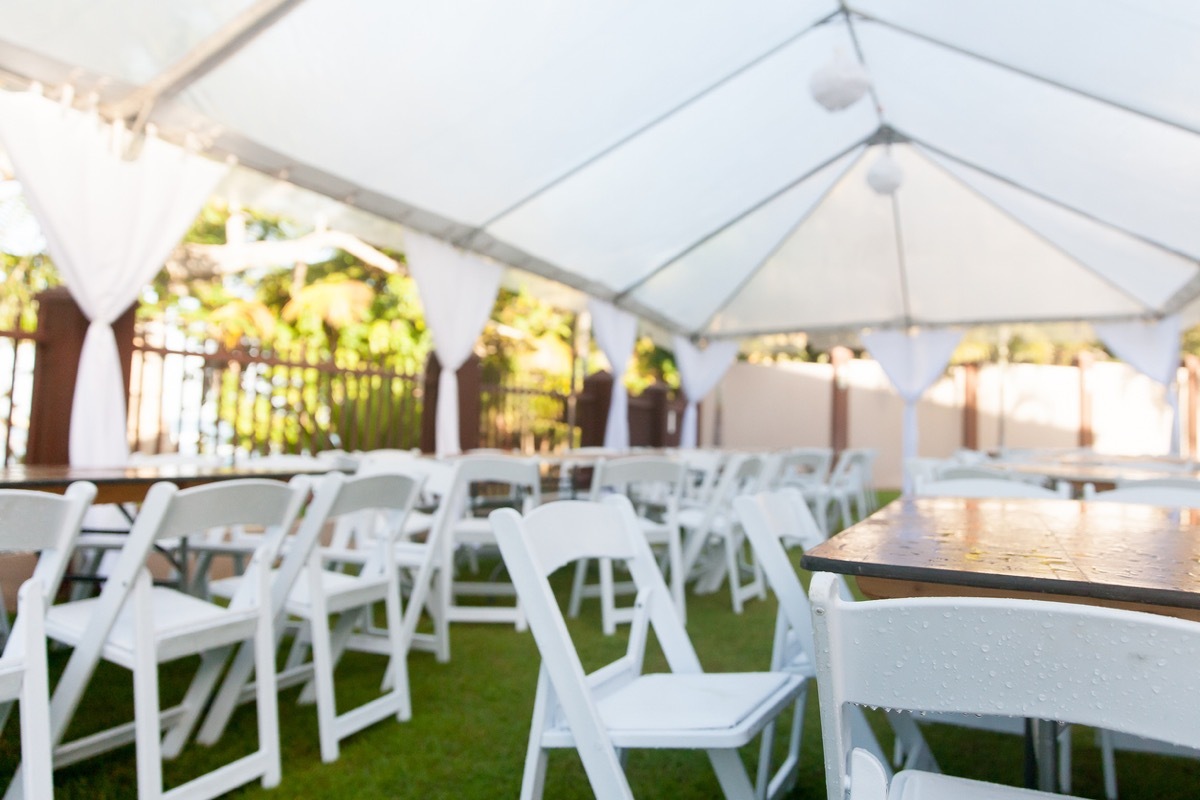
pixel 193 396
pixel 529 418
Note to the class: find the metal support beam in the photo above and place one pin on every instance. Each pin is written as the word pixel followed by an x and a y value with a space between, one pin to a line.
pixel 209 54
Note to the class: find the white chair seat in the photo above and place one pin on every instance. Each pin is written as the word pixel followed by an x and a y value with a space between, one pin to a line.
pixel 341 590
pixel 184 617
pixel 725 706
pixel 912 784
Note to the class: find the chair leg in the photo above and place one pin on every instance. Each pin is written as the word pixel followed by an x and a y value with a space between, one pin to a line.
pixel 267 698
pixel 731 567
pixel 1108 762
pixel 731 773
pixel 533 780
pixel 675 568
pixel 226 701
pixel 212 664
pixel 608 600
pixel 323 682
pixel 38 778
pixel 577 585
pixel 399 655
pixel 146 713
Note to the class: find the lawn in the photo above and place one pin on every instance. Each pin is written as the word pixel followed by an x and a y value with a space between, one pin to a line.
pixel 470 723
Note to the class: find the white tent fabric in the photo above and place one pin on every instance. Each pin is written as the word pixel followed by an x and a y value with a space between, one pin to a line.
pixel 109 223
pixel 1152 348
pixel 699 372
pixel 668 157
pixel 458 290
pixel 615 333
pixel 912 360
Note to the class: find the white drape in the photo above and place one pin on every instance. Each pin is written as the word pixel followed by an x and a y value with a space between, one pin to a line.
pixel 912 360
pixel 109 225
pixel 1152 348
pixel 458 290
pixel 699 372
pixel 615 332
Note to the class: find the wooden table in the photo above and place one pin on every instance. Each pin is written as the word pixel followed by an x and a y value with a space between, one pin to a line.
pixel 130 484
pixel 1145 558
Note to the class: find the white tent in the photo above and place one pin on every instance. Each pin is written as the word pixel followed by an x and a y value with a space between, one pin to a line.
pixel 668 156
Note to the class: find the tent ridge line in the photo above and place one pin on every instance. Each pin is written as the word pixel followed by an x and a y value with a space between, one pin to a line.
pixel 633 287
pixel 850 327
pixel 1025 73
pixel 845 11
pixel 1041 196
pixel 1039 235
pixel 791 231
pixel 653 123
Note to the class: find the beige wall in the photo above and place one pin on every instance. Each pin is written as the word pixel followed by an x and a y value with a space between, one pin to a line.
pixel 790 405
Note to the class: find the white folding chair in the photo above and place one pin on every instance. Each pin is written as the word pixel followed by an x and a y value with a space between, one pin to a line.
pixel 654 484
pixel 460 529
pixel 617 707
pixel 1125 670
pixel 48 524
pixel 774 521
pixel 714 545
pixel 304 588
pixel 138 626
pixel 1169 492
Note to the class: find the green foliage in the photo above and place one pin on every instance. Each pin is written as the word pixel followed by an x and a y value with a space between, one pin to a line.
pixel 22 278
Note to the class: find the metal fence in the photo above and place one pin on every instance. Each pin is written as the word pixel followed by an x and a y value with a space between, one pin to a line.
pixel 526 418
pixel 193 396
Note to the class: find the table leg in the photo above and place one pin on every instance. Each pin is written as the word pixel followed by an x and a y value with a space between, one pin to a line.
pixel 1041 754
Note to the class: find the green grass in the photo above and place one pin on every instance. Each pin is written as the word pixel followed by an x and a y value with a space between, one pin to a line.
pixel 470 724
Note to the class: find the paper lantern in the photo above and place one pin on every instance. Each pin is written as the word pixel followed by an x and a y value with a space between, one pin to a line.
pixel 840 83
pixel 885 175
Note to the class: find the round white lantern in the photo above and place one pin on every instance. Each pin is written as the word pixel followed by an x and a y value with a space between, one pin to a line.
pixel 885 175
pixel 840 83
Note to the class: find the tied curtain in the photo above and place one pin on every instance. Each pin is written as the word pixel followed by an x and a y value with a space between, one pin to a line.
pixel 700 371
pixel 458 290
pixel 912 361
pixel 110 223
pixel 615 333
pixel 1152 348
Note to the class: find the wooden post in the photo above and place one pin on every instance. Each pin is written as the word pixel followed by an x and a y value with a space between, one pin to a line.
pixel 839 435
pixel 470 404
pixel 657 395
pixel 1087 436
pixel 970 417
pixel 61 331
pixel 592 409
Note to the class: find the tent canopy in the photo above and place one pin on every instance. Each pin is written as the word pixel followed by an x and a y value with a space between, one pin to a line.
pixel 669 157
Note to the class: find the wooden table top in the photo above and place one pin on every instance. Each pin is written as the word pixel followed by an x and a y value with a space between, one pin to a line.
pixel 1111 553
pixel 130 484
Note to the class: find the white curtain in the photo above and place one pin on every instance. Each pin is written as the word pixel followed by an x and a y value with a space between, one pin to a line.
pixel 109 224
pixel 912 360
pixel 458 290
pixel 699 372
pixel 615 333
pixel 1152 348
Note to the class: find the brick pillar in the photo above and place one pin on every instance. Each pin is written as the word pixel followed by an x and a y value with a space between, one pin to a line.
pixel 61 330
pixel 470 404
pixel 1084 362
pixel 970 418
pixel 839 435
